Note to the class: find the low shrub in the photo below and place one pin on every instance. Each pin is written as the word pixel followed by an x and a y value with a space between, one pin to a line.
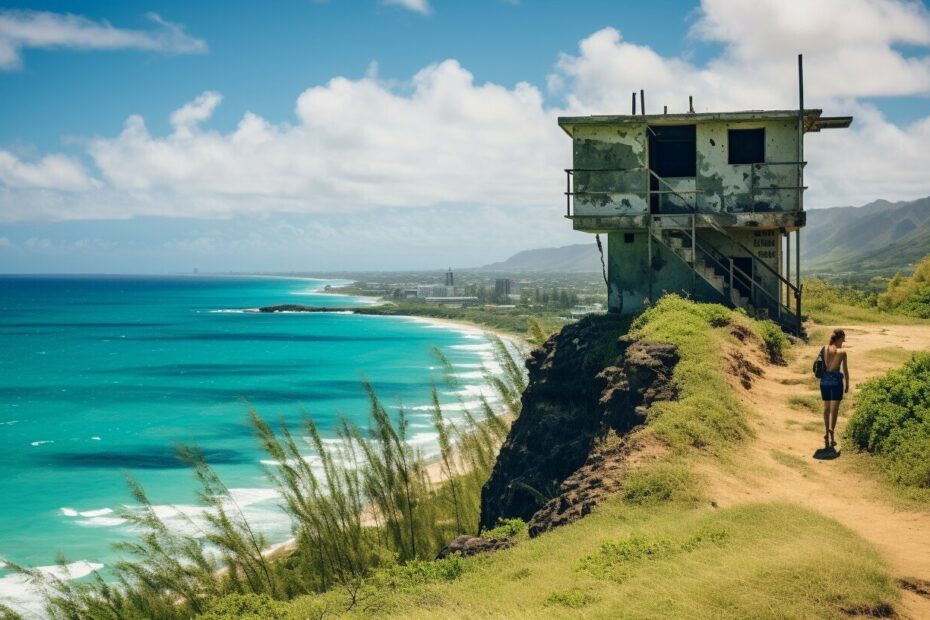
pixel 659 482
pixel 420 572
pixel 774 340
pixel 245 607
pixel 572 598
pixel 892 421
pixel 909 295
pixel 506 528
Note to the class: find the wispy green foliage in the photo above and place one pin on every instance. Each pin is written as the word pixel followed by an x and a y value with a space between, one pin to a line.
pixel 892 421
pixel 358 507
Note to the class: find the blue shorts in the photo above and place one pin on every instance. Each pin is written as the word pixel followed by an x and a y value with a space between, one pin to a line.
pixel 831 386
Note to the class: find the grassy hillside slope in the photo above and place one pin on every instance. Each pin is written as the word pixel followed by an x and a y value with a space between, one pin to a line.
pixel 660 547
pixel 674 560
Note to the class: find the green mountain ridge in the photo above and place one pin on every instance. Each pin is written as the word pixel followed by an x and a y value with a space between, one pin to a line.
pixel 576 258
pixel 881 237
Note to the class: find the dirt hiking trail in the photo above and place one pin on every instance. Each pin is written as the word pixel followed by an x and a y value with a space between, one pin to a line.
pixel 778 464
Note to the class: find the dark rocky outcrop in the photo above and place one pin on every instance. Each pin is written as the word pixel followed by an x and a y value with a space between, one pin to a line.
pixel 466 545
pixel 589 386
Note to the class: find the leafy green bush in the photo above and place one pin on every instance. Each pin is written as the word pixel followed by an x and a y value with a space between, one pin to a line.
pixel 774 339
pixel 419 572
pixel 892 421
pixel 244 607
pixel 909 295
pixel 572 598
pixel 658 482
pixel 506 528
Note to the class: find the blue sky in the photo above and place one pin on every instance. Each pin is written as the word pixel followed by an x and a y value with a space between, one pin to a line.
pixel 415 133
pixel 262 55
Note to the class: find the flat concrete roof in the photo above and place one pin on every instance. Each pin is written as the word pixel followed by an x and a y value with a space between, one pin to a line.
pixel 813 119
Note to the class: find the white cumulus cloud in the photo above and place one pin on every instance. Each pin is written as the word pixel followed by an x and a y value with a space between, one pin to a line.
pixel 444 138
pixel 23 29
pixel 417 6
pixel 54 172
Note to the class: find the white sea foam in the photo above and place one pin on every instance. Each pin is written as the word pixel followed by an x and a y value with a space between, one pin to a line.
pixel 423 438
pixel 260 506
pixel 474 374
pixel 101 522
pixel 93 518
pixel 95 438
pixel 485 346
pixel 9 423
pixel 96 513
pixel 41 443
pixel 233 310
pixel 23 596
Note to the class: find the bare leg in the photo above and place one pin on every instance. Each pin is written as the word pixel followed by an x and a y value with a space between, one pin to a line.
pixel 834 414
pixel 826 423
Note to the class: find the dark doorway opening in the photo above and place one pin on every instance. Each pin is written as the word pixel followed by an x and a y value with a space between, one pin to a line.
pixel 672 153
pixel 742 283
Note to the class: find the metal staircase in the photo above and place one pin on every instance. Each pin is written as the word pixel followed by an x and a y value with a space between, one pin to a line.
pixel 679 233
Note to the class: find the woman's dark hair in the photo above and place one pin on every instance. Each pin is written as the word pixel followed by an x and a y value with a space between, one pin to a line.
pixel 838 334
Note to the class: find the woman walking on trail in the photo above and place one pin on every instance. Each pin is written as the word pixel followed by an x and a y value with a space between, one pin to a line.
pixel 832 383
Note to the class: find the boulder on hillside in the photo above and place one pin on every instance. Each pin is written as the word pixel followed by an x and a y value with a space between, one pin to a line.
pixel 466 546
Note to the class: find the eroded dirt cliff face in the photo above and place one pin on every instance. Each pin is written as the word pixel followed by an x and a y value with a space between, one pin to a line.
pixel 589 386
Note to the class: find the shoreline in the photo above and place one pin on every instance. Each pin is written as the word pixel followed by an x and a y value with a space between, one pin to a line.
pixel 433 463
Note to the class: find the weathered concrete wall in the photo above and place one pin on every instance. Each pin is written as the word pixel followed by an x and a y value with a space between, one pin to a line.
pixel 721 187
pixel 736 188
pixel 620 149
pixel 629 274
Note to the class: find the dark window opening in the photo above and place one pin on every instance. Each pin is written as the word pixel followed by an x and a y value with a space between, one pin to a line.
pixel 673 150
pixel 747 146
pixel 628 237
pixel 742 275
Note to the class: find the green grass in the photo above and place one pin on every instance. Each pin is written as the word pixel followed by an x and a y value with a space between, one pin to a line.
pixel 891 421
pixel 808 402
pixel 793 461
pixel 894 355
pixel 828 304
pixel 707 414
pixel 758 561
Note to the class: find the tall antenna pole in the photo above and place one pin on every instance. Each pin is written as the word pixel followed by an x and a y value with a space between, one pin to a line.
pixel 797 234
pixel 642 102
pixel 634 103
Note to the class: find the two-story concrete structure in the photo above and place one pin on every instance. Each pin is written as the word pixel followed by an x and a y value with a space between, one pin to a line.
pixel 701 204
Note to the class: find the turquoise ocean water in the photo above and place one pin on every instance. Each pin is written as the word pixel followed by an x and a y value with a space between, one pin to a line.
pixel 101 376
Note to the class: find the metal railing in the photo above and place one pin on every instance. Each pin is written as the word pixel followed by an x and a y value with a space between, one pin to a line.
pixel 759 296
pixel 755 189
pixel 733 276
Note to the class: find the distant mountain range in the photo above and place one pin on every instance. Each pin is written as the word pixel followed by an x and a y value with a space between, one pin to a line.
pixel 879 238
pixel 578 258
